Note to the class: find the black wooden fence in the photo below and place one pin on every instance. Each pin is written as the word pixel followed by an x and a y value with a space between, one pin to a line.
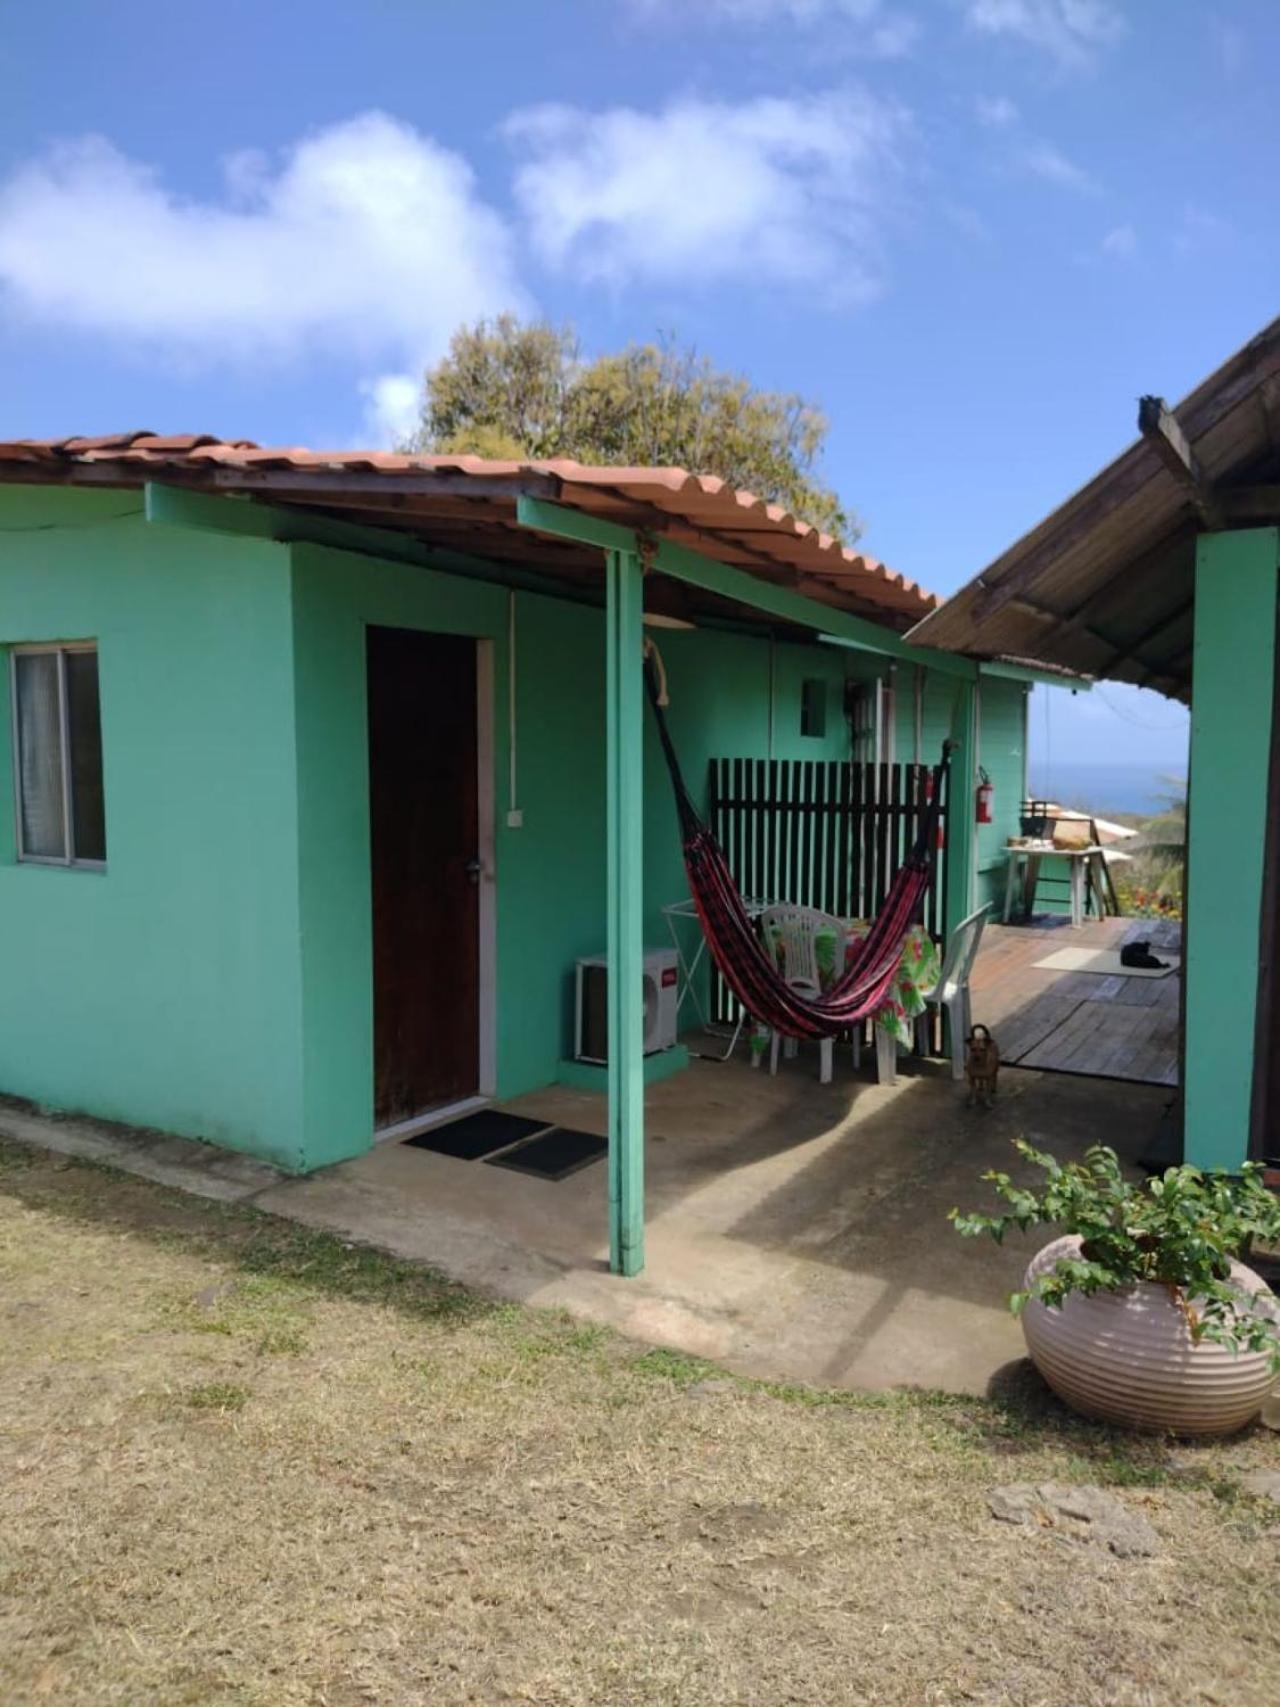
pixel 822 834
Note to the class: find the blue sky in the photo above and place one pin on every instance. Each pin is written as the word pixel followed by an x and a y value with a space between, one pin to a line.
pixel 973 230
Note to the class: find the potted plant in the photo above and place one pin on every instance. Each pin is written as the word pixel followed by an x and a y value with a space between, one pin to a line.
pixel 1141 1312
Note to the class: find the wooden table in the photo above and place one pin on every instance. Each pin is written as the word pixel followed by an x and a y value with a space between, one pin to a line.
pixel 1083 863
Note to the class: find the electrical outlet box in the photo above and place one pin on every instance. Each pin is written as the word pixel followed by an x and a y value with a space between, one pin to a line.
pixel 515 819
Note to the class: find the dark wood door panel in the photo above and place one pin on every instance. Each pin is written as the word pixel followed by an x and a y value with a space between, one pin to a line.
pixel 424 824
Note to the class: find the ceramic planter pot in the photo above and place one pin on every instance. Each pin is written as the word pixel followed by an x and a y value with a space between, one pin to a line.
pixel 1128 1357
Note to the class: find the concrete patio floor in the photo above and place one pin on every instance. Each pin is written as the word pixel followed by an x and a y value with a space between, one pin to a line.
pixel 795 1232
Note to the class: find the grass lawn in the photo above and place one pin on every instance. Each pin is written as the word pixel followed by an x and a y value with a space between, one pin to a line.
pixel 244 1463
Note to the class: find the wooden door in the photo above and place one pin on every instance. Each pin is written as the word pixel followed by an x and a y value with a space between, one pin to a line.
pixel 424 823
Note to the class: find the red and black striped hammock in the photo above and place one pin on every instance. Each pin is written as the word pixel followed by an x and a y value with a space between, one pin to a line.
pixel 736 946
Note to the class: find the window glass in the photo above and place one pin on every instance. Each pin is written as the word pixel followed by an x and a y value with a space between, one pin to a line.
pixel 39 721
pixel 84 727
pixel 813 707
pixel 58 740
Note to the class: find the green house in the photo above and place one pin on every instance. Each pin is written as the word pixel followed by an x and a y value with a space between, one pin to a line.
pixel 1162 572
pixel 326 769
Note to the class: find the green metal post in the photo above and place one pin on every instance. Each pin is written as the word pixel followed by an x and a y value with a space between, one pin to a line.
pixel 625 805
pixel 1232 687
pixel 962 832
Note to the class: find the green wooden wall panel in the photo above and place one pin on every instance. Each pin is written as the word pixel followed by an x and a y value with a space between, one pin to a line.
pixel 165 991
pixel 1233 684
pixel 217 980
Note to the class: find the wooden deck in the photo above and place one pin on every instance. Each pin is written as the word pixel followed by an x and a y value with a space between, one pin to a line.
pixel 1078 1022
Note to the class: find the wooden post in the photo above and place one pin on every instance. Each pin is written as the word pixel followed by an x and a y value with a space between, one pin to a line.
pixel 625 807
pixel 1233 689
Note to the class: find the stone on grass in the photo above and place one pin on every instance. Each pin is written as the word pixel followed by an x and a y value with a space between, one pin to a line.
pixel 1017 1502
pixel 1131 1537
pixel 1086 1504
pixel 1262 1484
pixel 1107 1520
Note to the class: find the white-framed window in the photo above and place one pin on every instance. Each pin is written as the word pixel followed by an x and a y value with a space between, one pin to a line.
pixel 57 755
pixel 870 710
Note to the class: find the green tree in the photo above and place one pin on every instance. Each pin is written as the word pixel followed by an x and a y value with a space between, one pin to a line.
pixel 506 389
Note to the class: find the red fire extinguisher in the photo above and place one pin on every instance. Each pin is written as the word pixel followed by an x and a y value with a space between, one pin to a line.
pixel 985 790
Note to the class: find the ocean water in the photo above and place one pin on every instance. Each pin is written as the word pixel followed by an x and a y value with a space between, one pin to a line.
pixel 1119 786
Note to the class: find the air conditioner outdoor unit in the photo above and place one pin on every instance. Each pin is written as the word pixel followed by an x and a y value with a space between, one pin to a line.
pixel 591 1012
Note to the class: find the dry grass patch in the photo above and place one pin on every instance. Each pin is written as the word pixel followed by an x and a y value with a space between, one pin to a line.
pixel 246 1464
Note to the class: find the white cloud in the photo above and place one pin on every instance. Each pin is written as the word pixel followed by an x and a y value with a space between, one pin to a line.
pixel 997 111
pixel 893 37
pixel 867 27
pixel 798 11
pixel 771 190
pixel 393 404
pixel 368 239
pixel 1045 161
pixel 1120 244
pixel 1198 231
pixel 1069 31
pixel 1232 45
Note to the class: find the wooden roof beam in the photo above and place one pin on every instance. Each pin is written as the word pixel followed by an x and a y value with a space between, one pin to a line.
pixel 1159 427
pixel 337 485
pixel 1131 652
pixel 1152 566
pixel 1260 504
pixel 1117 652
pixel 1173 671
pixel 1060 624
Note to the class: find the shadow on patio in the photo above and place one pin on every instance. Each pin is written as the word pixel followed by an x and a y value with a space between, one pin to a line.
pixel 795 1231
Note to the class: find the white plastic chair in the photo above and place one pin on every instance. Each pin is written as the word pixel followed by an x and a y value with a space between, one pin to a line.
pixel 951 993
pixel 791 937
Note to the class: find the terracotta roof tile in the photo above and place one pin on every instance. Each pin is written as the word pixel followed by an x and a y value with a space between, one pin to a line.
pixel 771 538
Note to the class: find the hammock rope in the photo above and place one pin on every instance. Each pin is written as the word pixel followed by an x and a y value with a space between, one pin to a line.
pixel 731 935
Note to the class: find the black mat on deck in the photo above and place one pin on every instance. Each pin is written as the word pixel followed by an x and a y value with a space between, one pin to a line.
pixel 477 1134
pixel 555 1155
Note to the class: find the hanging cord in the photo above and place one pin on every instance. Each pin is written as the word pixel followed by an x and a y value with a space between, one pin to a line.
pixel 653 658
pixel 655 682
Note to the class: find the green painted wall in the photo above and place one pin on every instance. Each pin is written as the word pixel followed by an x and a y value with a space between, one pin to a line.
pixel 720 708
pixel 216 980
pixel 1001 744
pixel 1233 677
pixel 1003 755
pixel 549 874
pixel 164 991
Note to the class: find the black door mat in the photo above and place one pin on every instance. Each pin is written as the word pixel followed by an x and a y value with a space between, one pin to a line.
pixel 478 1134
pixel 555 1155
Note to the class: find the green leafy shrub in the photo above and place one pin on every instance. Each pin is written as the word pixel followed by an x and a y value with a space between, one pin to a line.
pixel 1140 903
pixel 1180 1230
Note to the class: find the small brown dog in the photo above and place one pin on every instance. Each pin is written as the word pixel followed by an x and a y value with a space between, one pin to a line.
pixel 981 1066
